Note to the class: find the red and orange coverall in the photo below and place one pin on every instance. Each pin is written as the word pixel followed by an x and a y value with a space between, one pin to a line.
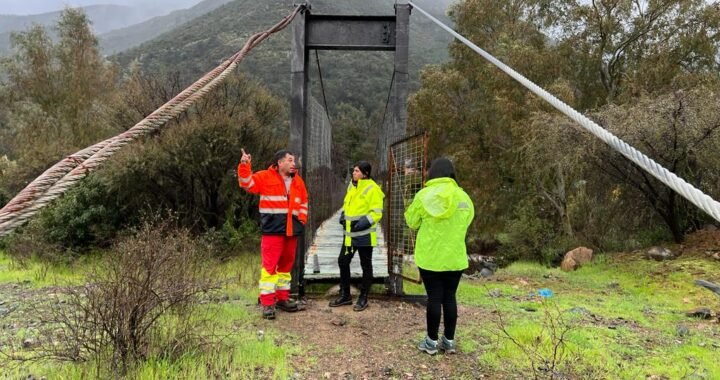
pixel 283 215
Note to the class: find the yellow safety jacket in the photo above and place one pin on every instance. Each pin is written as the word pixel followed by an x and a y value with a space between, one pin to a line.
pixel 362 210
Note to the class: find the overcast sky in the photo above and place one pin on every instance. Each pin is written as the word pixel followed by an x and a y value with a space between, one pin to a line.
pixel 25 7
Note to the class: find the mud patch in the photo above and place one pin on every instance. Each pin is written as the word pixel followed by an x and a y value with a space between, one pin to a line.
pixel 377 343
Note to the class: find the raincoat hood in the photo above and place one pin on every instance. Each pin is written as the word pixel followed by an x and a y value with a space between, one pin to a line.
pixel 440 199
pixel 440 213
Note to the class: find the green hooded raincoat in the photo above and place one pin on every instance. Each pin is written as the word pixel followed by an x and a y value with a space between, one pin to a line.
pixel 441 213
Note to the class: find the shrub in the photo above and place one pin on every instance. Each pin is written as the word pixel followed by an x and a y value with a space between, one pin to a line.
pixel 527 235
pixel 83 217
pixel 140 302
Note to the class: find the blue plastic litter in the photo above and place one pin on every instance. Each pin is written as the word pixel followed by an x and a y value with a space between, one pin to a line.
pixel 545 293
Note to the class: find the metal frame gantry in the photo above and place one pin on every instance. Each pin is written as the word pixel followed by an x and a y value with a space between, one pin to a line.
pixel 338 32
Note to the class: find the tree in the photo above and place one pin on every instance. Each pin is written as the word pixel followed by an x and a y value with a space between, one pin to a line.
pixel 530 169
pixel 187 169
pixel 351 144
pixel 681 131
pixel 625 47
pixel 86 79
pixel 190 166
pixel 59 96
pixel 474 112
pixel 586 178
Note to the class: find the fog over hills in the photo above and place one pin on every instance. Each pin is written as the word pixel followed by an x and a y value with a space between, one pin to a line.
pixel 34 7
pixel 158 16
pixel 124 38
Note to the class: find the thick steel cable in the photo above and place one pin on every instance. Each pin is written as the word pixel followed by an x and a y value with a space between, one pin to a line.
pixel 688 191
pixel 101 151
pixel 47 187
pixel 38 187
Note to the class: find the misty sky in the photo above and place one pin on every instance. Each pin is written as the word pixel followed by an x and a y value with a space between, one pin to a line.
pixel 25 7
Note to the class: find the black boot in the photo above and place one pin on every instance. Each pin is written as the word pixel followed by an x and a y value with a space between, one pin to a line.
pixel 343 299
pixel 362 302
pixel 268 312
pixel 287 306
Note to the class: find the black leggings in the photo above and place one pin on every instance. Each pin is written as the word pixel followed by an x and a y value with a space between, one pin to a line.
pixel 441 288
pixel 346 256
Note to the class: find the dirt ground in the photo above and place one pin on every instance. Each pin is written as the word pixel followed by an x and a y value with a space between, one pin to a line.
pixel 377 343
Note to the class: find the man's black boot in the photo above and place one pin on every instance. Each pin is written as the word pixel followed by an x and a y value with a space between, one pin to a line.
pixel 268 312
pixel 287 306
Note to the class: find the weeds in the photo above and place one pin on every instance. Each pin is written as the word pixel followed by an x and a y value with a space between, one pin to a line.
pixel 138 303
pixel 547 352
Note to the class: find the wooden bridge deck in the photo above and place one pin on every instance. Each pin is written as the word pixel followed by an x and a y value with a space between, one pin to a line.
pixel 321 261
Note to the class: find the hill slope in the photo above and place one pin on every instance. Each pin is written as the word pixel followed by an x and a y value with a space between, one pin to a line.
pixel 122 39
pixel 33 7
pixel 104 18
pixel 359 78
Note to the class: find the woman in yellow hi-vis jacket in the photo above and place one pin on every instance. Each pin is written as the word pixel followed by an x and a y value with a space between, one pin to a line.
pixel 362 210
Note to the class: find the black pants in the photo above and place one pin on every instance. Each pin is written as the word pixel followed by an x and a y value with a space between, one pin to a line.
pixel 441 288
pixel 346 256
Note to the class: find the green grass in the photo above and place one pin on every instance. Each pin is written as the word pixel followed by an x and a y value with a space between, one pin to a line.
pixel 653 297
pixel 645 302
pixel 39 274
pixel 242 354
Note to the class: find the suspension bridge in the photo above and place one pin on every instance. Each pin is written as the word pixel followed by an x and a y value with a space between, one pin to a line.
pixel 400 158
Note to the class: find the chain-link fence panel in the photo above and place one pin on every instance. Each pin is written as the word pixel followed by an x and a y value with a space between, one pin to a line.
pixel 325 189
pixel 407 160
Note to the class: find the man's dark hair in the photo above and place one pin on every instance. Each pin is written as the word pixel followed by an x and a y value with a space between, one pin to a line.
pixel 365 168
pixel 279 155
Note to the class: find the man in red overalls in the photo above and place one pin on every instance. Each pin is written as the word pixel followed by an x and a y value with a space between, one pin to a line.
pixel 283 214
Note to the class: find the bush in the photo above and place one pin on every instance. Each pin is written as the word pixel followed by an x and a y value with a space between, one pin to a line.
pixel 548 353
pixel 140 302
pixel 29 242
pixel 4 198
pixel 247 234
pixel 6 167
pixel 527 235
pixel 82 218
pixel 189 168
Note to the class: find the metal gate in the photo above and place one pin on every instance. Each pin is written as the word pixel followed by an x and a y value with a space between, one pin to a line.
pixel 407 164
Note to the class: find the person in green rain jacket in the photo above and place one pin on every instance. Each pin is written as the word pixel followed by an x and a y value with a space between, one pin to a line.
pixel 362 210
pixel 441 213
